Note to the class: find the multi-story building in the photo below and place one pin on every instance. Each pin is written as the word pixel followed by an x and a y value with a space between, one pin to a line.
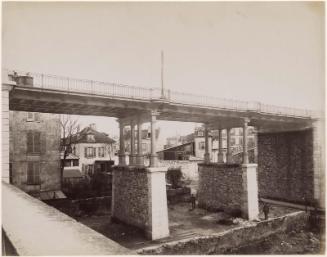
pixel 193 145
pixel 146 140
pixel 34 153
pixel 91 151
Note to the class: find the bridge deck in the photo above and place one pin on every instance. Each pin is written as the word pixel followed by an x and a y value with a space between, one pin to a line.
pixel 53 94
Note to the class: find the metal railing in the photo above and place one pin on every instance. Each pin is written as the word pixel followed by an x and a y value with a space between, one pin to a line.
pixel 119 90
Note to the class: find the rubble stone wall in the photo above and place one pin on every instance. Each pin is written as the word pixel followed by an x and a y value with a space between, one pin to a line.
pixel 285 166
pixel 220 186
pixel 130 196
pixel 224 242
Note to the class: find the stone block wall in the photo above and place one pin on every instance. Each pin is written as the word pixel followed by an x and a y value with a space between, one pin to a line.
pixel 220 186
pixel 285 166
pixel 5 133
pixel 131 196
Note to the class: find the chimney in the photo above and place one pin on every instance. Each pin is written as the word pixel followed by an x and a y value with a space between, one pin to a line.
pixel 93 126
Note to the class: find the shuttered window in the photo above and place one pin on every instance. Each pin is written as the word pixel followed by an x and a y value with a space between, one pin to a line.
pixel 89 152
pixel 33 142
pixel 30 116
pixel 33 173
pixel 101 151
pixel 33 116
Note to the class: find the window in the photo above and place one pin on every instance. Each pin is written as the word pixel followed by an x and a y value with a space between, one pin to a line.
pixel 33 173
pixel 101 151
pixel 90 152
pixel 200 133
pixel 90 138
pixel 75 162
pixel 33 142
pixel 33 116
pixel 201 145
pixel 144 148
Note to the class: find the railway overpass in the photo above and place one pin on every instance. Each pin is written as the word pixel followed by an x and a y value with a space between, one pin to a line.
pixel 134 106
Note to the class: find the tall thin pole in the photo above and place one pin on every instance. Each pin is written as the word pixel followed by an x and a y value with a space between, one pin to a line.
pixel 162 71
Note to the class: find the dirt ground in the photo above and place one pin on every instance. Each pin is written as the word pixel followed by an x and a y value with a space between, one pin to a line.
pixel 184 223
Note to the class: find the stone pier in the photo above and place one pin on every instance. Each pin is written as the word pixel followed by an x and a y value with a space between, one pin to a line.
pixel 229 187
pixel 139 199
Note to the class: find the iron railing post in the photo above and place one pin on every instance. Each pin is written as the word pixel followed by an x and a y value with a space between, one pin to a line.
pixel 42 80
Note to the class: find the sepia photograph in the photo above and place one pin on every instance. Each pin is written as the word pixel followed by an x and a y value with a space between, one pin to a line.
pixel 163 128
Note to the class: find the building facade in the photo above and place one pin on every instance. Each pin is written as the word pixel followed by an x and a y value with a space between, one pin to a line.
pixel 92 151
pixel 193 145
pixel 146 140
pixel 34 152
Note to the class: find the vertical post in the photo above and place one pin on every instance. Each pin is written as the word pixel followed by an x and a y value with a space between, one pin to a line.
pixel 5 131
pixel 42 80
pixel 228 154
pixel 162 79
pixel 256 129
pixel 122 157
pixel 132 153
pixel 206 144
pixel 153 155
pixel 139 161
pixel 245 141
pixel 220 151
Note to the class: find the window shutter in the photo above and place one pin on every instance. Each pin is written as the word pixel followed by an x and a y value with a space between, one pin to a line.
pixel 36 172
pixel 99 151
pixel 85 152
pixel 29 172
pixel 29 116
pixel 29 141
pixel 94 152
pixel 37 116
pixel 37 142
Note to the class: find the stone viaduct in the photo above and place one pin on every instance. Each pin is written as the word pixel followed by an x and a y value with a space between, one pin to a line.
pixel 290 145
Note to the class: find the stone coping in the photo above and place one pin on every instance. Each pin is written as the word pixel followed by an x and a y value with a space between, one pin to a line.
pixel 141 169
pixel 214 164
pixel 34 228
pixel 249 165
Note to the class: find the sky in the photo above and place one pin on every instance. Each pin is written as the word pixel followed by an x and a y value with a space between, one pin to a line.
pixel 272 52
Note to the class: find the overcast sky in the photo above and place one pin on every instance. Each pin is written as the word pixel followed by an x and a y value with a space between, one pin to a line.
pixel 271 52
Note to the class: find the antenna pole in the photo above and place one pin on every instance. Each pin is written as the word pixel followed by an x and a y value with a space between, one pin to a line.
pixel 162 79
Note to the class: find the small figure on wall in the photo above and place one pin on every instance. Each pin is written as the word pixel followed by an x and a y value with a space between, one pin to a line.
pixel 193 201
pixel 266 210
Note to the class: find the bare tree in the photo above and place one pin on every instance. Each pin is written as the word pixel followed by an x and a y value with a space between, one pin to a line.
pixel 69 129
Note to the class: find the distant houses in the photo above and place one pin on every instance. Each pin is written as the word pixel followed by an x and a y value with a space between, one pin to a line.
pixel 192 146
pixel 146 140
pixel 91 151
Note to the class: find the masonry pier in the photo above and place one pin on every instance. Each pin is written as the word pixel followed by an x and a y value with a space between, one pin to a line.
pixel 227 186
pixel 139 193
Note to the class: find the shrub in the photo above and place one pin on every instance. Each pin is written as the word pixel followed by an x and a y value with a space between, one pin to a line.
pixel 174 176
